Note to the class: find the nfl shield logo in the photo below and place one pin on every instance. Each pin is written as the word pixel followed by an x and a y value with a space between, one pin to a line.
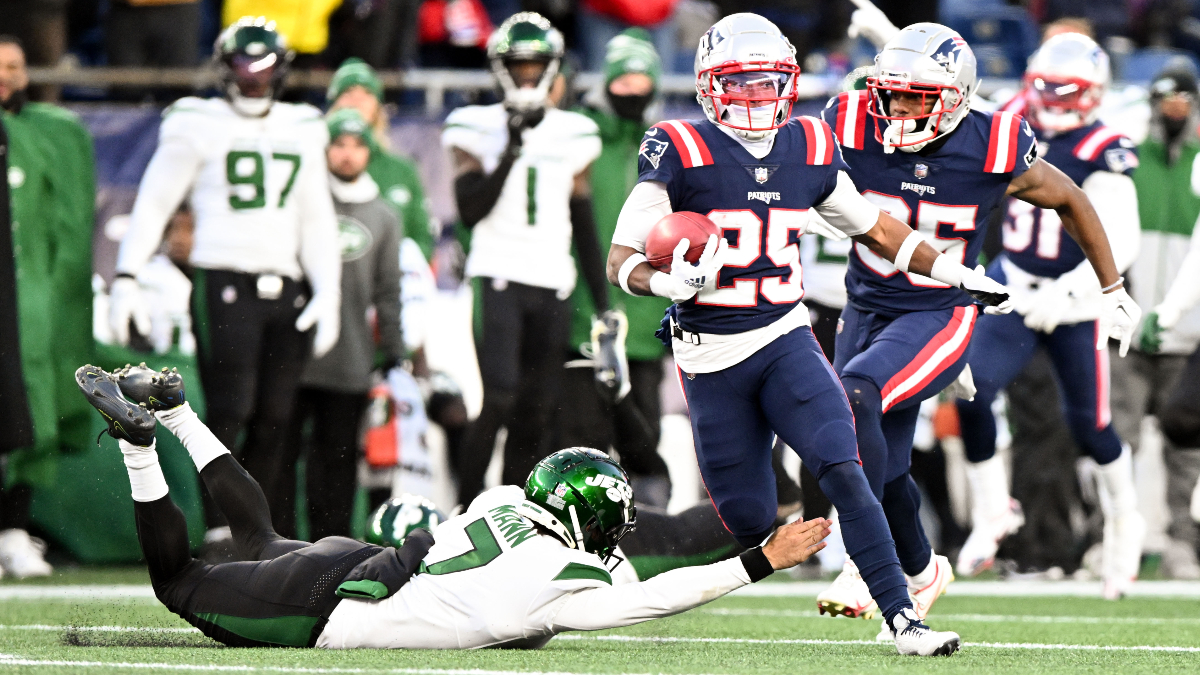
pixel 761 174
pixel 921 170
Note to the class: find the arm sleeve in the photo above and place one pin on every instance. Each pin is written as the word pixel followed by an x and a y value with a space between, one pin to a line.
pixel 672 592
pixel 476 193
pixel 320 255
pixel 587 249
pixel 169 176
pixel 647 204
pixel 847 210
pixel 1185 288
pixel 387 291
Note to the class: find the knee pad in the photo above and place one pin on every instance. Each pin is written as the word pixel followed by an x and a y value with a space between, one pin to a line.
pixel 847 488
pixel 749 520
pixel 865 399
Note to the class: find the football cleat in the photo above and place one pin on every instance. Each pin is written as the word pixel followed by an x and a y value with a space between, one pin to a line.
pixel 914 638
pixel 848 596
pixel 608 351
pixel 126 421
pixel 159 390
pixel 923 597
pixel 979 553
pixel 23 556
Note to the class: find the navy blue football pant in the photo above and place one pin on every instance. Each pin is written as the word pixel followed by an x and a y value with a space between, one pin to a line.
pixel 1001 348
pixel 888 366
pixel 788 388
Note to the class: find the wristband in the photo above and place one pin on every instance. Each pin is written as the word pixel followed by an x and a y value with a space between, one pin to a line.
pixel 627 269
pixel 904 255
pixel 1114 285
pixel 947 271
pixel 756 564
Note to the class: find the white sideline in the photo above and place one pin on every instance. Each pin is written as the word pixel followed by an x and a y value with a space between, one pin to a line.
pixel 791 589
pixel 987 618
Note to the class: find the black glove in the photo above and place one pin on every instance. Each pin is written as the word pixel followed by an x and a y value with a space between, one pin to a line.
pixel 519 121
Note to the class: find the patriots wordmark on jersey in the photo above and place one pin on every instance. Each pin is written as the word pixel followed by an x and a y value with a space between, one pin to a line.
pixel 761 205
pixel 491 579
pixel 259 187
pixel 1034 239
pixel 526 238
pixel 947 195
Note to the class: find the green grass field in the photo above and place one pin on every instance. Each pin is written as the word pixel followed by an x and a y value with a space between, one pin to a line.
pixel 78 633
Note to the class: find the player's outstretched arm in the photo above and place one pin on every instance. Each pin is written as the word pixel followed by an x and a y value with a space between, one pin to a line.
pixel 682 589
pixel 1045 186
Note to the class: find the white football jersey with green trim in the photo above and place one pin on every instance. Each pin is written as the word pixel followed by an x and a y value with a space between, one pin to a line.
pixel 491 580
pixel 259 186
pixel 527 236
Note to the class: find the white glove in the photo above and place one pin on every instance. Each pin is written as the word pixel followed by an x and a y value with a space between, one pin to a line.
pixel 1119 316
pixel 1168 315
pixel 325 312
pixel 993 294
pixel 1047 307
pixel 685 279
pixel 125 303
pixel 870 22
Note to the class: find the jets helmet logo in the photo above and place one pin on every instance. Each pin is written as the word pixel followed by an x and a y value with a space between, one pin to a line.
pixel 617 490
pixel 653 150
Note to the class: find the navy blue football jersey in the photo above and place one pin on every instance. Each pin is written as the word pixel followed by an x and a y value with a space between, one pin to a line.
pixel 1034 238
pixel 761 207
pixel 947 195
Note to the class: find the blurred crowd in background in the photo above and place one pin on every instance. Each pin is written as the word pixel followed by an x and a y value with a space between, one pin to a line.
pixel 417 416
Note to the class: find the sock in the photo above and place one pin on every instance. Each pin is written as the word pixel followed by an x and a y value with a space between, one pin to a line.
pixel 989 488
pixel 902 504
pixel 925 577
pixel 145 475
pixel 865 534
pixel 199 440
pixel 1117 493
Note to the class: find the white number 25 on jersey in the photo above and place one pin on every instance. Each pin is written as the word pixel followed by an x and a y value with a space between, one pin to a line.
pixel 781 223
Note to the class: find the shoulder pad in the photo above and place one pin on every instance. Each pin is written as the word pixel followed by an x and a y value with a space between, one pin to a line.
pixel 1003 141
pixel 818 140
pixel 479 117
pixel 693 151
pixel 1107 149
pixel 850 122
pixel 189 104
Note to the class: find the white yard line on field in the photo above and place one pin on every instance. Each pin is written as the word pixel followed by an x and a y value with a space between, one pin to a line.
pixel 988 645
pixel 1180 590
pixel 102 629
pixel 988 618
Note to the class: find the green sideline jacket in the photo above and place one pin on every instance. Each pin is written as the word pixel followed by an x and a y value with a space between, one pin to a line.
pixel 400 186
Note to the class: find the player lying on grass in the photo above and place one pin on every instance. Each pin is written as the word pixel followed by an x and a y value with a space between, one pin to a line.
pixel 512 571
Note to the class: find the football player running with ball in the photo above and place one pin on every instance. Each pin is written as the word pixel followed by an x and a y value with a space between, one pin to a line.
pixel 1057 300
pixel 748 362
pixel 904 333
pixel 522 187
pixel 266 256
pixel 518 567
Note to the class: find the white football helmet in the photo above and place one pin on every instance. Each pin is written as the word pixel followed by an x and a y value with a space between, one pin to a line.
pixel 746 75
pixel 933 61
pixel 1064 82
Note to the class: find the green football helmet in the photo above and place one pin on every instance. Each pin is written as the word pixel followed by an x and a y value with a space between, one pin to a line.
pixel 525 36
pixel 583 497
pixel 396 518
pixel 253 59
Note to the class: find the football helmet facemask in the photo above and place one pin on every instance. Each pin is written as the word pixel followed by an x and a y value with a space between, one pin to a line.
pixel 253 60
pixel 516 49
pixel 929 61
pixel 1064 82
pixel 582 497
pixel 746 75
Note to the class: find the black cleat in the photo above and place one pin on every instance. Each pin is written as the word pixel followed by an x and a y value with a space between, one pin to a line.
pixel 127 421
pixel 161 390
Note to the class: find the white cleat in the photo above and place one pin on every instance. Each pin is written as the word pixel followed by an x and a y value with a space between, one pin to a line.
pixel 22 555
pixel 848 596
pixel 979 553
pixel 923 597
pixel 914 638
pixel 1122 553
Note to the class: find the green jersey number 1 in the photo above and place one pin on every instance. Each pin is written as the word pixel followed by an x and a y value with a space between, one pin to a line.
pixel 247 167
